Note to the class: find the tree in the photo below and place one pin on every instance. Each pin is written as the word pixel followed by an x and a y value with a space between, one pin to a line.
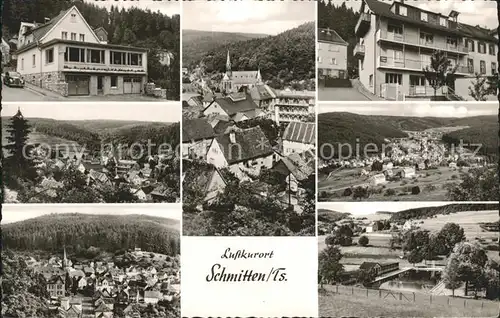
pixel 415 256
pixel 342 236
pixel 17 161
pixel 479 89
pixel 451 278
pixel 478 184
pixel 451 234
pixel 365 276
pixel 363 241
pixel 440 72
pixel 415 239
pixel 329 267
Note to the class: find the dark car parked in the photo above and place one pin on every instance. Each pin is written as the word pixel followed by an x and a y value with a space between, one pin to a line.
pixel 13 79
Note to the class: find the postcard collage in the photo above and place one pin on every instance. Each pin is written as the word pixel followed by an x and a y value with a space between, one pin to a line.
pixel 329 158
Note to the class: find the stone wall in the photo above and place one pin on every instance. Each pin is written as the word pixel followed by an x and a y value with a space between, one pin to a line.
pixel 150 89
pixel 52 81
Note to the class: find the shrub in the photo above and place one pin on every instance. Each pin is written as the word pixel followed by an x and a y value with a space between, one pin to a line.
pixel 430 187
pixel 363 241
pixel 415 190
pixel 454 177
pixel 492 247
pixel 347 192
pixel 390 192
pixel 361 192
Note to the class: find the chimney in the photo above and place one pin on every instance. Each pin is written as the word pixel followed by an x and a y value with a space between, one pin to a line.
pixel 328 31
pixel 232 137
pixel 65 303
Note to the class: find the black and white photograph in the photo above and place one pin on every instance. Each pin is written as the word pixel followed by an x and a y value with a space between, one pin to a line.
pixel 422 151
pixel 90 50
pixel 408 259
pixel 91 153
pixel 396 50
pixel 91 261
pixel 248 112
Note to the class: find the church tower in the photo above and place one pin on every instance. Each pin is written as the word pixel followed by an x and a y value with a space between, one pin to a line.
pixel 228 65
pixel 259 77
pixel 65 259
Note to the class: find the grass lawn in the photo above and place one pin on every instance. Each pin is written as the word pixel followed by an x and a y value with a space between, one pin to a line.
pixel 345 305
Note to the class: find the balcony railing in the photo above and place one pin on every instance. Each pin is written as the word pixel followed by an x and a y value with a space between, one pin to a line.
pixel 359 49
pixel 465 69
pixel 103 68
pixel 414 39
pixel 385 61
pixel 363 24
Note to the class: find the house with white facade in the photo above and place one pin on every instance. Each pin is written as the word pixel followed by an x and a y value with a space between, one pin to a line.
pixel 5 49
pixel 236 106
pixel 396 41
pixel 292 106
pixel 299 137
pixel 244 151
pixel 332 54
pixel 66 56
pixel 197 135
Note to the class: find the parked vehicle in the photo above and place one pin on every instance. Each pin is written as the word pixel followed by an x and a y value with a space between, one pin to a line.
pixel 13 79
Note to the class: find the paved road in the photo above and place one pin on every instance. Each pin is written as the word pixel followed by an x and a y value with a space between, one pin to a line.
pixel 16 94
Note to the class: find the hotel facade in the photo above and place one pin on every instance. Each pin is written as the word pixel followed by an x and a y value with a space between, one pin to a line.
pixel 65 55
pixel 395 42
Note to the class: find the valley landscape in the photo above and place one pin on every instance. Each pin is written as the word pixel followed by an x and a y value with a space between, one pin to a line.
pixel 401 262
pixel 408 158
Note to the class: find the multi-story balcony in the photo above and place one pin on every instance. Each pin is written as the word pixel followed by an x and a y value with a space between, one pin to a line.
pixel 359 50
pixel 415 65
pixel 291 102
pixel 103 68
pixel 363 24
pixel 415 40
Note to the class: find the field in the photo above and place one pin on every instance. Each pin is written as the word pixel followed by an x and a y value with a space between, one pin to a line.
pixel 432 184
pixel 363 304
pixel 36 137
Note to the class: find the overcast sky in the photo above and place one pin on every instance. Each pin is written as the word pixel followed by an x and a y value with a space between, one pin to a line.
pixel 363 208
pixel 143 111
pixel 414 109
pixel 266 17
pixel 168 7
pixel 15 212
pixel 482 12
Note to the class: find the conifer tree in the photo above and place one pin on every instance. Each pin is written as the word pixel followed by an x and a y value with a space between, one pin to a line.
pixel 17 160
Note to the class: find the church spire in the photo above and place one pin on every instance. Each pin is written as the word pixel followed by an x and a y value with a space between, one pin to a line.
pixel 65 259
pixel 228 65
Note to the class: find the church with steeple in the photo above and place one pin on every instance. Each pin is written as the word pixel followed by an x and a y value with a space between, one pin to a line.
pixel 233 81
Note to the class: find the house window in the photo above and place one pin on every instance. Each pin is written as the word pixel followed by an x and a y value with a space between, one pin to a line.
pixel 395 29
pixel 73 17
pixel 470 65
pixel 452 42
pixel 403 11
pixel 82 37
pixel 426 38
pixel 443 22
pixel 493 68
pixel 134 59
pixel 117 58
pixel 393 78
pixel 95 56
pixel 491 48
pixel 49 56
pixel 423 16
pixel 74 54
pixel 73 36
pixel 481 47
pixel 319 59
pixel 371 80
pixel 64 35
pixel 471 45
pixel 334 61
pixel 22 64
pixel 425 60
pixel 34 60
pixel 482 67
pixel 416 80
pixel 333 48
pixel 114 81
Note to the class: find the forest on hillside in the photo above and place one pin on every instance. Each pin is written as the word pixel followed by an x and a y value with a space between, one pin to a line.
pixel 142 28
pixel 343 20
pixel 428 212
pixel 283 59
pixel 196 43
pixel 84 233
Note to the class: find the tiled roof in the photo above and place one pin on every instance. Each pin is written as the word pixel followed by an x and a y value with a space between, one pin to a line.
pixel 40 31
pixel 384 9
pixel 249 144
pixel 330 35
pixel 297 166
pixel 244 77
pixel 232 107
pixel 196 129
pixel 300 132
pixel 262 92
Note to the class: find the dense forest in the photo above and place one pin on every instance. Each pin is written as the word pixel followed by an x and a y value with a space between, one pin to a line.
pixel 340 127
pixel 142 28
pixel 84 233
pixel 428 212
pixel 346 128
pixel 196 43
pixel 283 59
pixel 343 20
pixel 325 215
